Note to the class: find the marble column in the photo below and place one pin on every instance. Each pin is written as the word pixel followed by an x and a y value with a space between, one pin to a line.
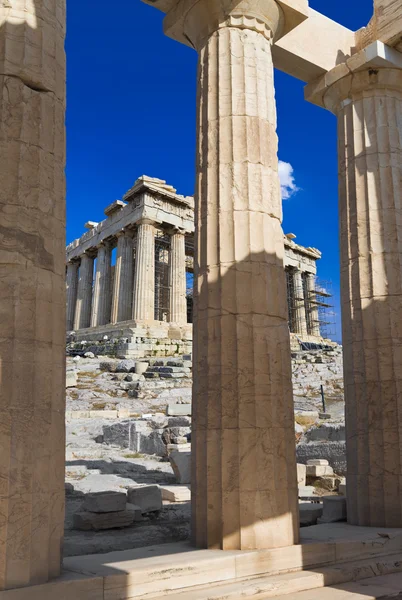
pixel 84 292
pixel 312 313
pixel 244 489
pixel 101 303
pixel 144 276
pixel 300 308
pixel 177 278
pixel 123 278
pixel 32 291
pixel 71 292
pixel 368 104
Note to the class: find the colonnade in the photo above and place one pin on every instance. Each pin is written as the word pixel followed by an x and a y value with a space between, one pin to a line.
pixel 302 303
pixel 95 300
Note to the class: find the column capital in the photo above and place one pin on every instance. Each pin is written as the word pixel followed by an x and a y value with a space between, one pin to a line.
pixel 145 221
pixel 376 67
pixel 175 231
pixel 192 22
pixel 126 232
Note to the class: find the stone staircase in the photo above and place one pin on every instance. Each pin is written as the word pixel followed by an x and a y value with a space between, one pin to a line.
pixel 358 580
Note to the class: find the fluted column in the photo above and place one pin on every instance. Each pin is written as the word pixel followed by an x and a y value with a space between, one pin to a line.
pixel 84 292
pixel 369 109
pixel 177 277
pixel 312 313
pixel 32 291
pixel 144 277
pixel 101 303
pixel 123 278
pixel 244 490
pixel 300 308
pixel 71 289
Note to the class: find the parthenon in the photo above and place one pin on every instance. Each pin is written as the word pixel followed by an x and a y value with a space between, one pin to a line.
pixel 244 476
pixel 152 230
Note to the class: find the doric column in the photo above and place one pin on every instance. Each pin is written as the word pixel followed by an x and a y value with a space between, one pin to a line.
pixel 300 308
pixel 244 488
pixel 32 291
pixel 368 104
pixel 144 277
pixel 71 289
pixel 84 292
pixel 177 278
pixel 123 278
pixel 101 303
pixel 312 313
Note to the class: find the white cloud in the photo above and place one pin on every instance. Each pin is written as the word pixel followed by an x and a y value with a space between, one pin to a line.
pixel 288 184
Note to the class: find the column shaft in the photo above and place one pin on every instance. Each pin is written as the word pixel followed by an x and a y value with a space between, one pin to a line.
pixel 123 279
pixel 144 277
pixel 244 490
pixel 370 170
pixel 32 291
pixel 177 276
pixel 84 293
pixel 71 289
pixel 312 312
pixel 101 304
pixel 300 308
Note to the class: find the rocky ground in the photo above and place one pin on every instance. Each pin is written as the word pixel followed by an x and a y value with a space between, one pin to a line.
pixel 101 454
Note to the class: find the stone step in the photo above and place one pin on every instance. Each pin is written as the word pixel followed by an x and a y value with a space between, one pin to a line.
pixel 303 585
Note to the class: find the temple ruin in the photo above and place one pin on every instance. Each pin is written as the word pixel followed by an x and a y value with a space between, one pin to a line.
pixel 144 302
pixel 244 491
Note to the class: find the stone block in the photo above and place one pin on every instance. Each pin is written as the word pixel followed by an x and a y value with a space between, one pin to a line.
pixel 176 493
pixel 318 471
pixel 317 462
pixel 125 366
pixel 178 410
pixel 334 509
pixel 87 521
pixel 309 513
pixel 105 502
pixel 147 497
pixel 342 489
pixel 301 474
pixel 306 491
pixel 71 379
pixel 181 465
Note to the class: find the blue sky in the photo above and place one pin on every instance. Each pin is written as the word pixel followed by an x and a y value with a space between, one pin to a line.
pixel 131 110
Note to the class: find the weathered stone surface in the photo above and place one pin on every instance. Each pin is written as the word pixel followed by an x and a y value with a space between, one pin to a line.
pixel 301 474
pixel 334 509
pixel 181 465
pixel 176 493
pixel 105 502
pixel 86 521
pixel 318 471
pixel 71 379
pixel 178 409
pixel 309 513
pixel 368 104
pixel 327 432
pixel 318 462
pixel 147 497
pixel 32 291
pixel 125 366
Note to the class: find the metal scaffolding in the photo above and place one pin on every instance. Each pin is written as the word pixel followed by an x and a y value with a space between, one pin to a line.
pixel 162 284
pixel 310 311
